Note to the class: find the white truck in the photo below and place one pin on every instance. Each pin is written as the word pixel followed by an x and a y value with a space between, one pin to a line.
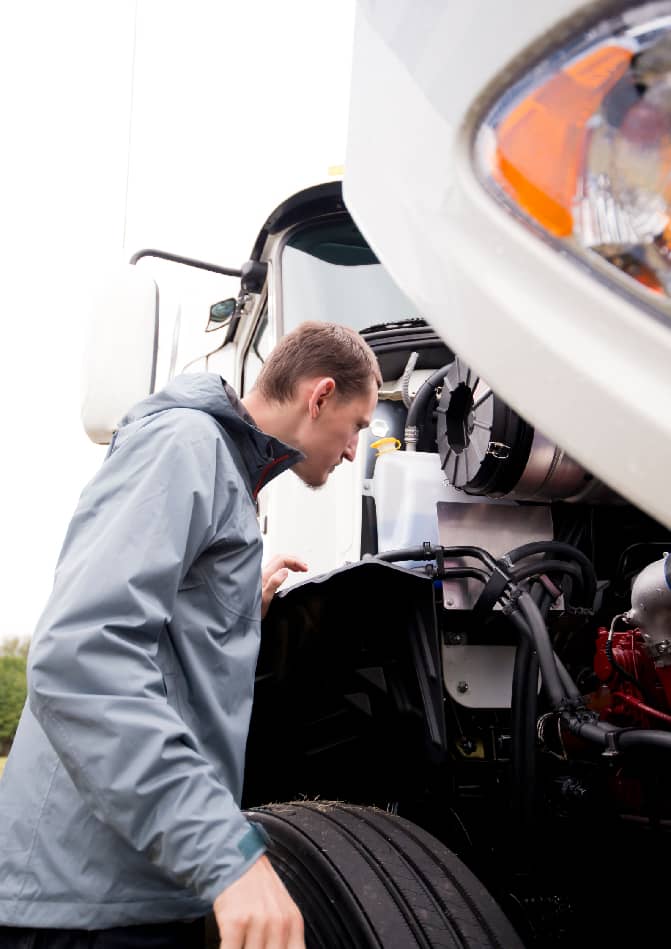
pixel 465 709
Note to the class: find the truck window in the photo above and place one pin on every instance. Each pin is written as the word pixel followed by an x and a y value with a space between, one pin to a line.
pixel 330 273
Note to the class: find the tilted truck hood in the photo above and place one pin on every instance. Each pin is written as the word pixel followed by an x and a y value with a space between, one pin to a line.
pixel 580 361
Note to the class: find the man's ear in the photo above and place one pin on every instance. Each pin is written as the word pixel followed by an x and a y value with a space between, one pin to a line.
pixel 322 390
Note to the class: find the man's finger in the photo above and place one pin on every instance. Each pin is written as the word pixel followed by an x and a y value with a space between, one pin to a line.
pixel 256 912
pixel 276 580
pixel 233 936
pixel 293 563
pixel 284 560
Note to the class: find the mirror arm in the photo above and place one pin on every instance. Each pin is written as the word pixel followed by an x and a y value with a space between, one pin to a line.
pixel 232 327
pixel 188 261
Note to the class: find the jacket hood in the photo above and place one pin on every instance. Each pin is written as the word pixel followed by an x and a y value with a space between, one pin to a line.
pixel 205 391
pixel 264 455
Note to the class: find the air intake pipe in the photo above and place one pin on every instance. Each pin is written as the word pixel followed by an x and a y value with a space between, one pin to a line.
pixel 420 404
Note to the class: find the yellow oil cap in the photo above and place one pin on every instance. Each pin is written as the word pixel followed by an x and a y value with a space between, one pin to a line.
pixel 383 445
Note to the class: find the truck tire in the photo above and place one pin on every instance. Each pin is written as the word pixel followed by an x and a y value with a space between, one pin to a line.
pixel 365 879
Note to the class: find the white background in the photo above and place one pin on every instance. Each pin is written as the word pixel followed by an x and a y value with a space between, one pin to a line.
pixel 130 124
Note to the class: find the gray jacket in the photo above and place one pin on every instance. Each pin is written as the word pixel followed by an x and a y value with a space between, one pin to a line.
pixel 120 801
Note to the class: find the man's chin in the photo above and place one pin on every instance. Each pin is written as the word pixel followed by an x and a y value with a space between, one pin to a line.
pixel 310 481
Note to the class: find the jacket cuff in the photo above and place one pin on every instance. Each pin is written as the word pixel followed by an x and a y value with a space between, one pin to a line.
pixel 255 838
pixel 251 845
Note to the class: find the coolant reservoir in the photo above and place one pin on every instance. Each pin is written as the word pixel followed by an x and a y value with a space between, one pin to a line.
pixel 407 486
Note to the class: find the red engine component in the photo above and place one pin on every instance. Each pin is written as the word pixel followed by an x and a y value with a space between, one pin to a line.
pixel 632 694
pixel 634 691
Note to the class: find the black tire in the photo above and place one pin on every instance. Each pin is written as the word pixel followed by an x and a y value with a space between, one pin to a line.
pixel 365 879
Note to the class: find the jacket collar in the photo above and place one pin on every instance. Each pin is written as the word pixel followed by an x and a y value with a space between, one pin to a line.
pixel 264 456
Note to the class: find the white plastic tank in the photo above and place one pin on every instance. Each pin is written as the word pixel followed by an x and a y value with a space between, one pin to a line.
pixel 407 486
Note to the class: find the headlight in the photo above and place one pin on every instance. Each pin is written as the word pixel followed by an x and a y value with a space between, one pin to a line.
pixel 580 147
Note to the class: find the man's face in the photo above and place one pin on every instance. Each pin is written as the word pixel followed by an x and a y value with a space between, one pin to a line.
pixel 331 433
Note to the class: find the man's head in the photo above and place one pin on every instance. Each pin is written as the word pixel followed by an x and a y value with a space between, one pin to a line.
pixel 316 391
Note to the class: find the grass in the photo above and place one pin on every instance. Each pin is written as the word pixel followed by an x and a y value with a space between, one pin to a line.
pixel 2 764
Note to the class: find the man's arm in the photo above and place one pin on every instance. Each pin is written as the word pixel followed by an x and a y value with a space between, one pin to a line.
pixel 94 684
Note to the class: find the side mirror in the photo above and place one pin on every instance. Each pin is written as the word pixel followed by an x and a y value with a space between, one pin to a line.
pixel 119 366
pixel 221 313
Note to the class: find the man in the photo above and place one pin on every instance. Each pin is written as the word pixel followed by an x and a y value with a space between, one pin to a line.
pixel 120 820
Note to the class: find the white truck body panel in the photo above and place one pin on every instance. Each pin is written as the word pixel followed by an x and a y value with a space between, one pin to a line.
pixel 562 348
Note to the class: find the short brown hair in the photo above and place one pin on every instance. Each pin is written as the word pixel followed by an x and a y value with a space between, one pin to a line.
pixel 319 349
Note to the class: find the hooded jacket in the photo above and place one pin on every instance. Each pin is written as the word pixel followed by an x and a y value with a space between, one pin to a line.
pixel 120 800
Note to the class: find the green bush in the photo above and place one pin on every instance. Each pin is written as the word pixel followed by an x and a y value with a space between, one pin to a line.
pixel 12 697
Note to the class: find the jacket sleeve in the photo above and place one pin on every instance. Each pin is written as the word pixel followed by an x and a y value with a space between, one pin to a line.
pixel 94 683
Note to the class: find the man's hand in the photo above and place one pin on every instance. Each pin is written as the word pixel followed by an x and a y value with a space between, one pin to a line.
pixel 256 912
pixel 273 576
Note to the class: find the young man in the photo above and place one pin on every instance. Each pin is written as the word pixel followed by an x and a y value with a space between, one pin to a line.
pixel 120 820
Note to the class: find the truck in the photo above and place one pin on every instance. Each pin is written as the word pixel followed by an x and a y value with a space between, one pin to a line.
pixel 462 723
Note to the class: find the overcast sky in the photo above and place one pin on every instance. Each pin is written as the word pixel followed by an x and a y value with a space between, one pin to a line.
pixel 125 124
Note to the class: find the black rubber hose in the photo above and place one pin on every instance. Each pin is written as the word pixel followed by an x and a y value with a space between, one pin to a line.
pixel 547 566
pixel 560 549
pixel 418 553
pixel 428 552
pixel 476 552
pixel 570 687
pixel 404 553
pixel 551 566
pixel 524 711
pixel 529 621
pixel 621 739
pixel 527 775
pixel 595 732
pixel 643 738
pixel 524 756
pixel 424 394
pixel 458 573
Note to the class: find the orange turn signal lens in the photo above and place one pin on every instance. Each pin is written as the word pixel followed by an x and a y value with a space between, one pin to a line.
pixel 581 147
pixel 541 143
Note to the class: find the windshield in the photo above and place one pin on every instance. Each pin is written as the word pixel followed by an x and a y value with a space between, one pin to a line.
pixel 329 273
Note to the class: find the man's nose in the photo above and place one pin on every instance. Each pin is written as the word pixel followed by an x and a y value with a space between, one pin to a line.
pixel 350 448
